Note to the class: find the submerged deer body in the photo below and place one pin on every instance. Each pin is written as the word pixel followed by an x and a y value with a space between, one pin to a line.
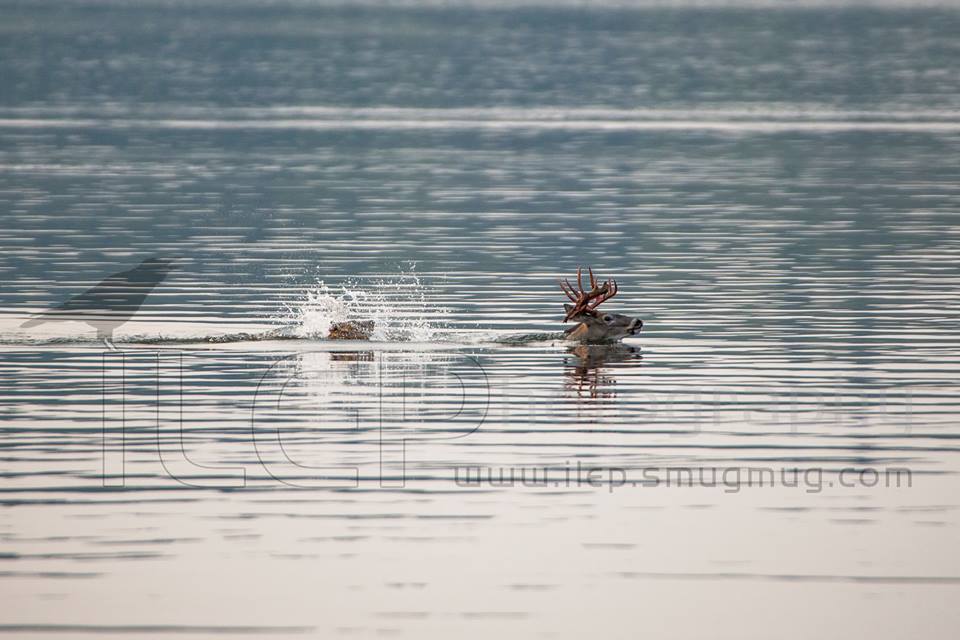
pixel 357 330
pixel 593 325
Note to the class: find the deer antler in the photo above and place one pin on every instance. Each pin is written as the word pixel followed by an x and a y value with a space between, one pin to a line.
pixel 586 301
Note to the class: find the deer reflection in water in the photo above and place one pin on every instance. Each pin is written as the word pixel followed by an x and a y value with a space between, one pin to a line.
pixel 589 370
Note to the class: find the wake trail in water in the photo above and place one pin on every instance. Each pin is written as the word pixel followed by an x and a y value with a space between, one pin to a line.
pixel 402 308
pixel 292 333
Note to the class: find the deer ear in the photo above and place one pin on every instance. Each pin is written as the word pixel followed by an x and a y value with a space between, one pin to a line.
pixel 568 308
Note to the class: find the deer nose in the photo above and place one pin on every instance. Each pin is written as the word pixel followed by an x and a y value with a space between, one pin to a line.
pixel 635 325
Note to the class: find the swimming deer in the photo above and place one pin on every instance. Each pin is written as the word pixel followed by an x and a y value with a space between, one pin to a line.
pixel 594 326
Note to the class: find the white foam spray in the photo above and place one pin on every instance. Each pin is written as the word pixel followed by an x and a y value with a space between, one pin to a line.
pixel 399 305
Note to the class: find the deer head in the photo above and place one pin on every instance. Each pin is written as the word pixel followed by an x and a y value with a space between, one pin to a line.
pixel 595 326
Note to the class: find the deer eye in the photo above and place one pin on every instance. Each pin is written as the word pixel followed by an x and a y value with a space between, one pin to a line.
pixel 608 318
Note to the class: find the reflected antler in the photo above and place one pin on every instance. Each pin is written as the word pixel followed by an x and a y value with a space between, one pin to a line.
pixel 586 301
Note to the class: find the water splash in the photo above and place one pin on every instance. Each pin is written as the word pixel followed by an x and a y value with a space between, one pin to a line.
pixel 399 307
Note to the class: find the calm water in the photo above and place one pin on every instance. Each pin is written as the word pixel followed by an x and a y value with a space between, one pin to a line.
pixel 775 191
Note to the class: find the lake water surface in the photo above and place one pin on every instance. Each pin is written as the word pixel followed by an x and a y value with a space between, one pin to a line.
pixel 776 192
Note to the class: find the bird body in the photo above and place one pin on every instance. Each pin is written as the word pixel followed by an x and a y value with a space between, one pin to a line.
pixel 112 302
